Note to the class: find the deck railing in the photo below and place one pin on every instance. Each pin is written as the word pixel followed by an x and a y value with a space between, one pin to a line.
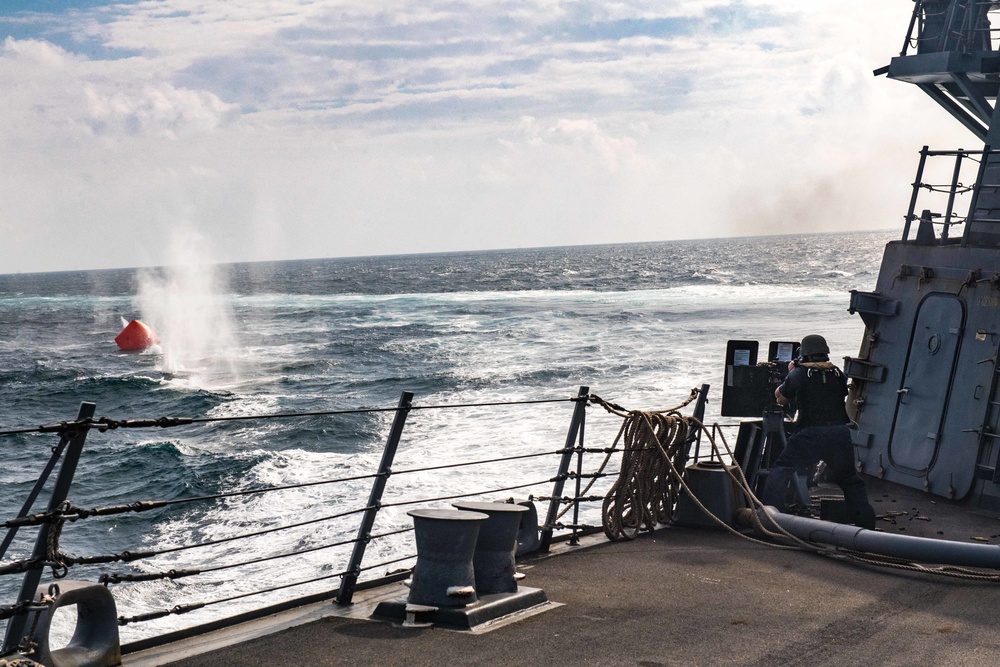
pixel 389 492
pixel 944 187
pixel 953 25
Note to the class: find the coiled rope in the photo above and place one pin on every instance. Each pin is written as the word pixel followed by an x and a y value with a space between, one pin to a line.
pixel 650 480
pixel 654 445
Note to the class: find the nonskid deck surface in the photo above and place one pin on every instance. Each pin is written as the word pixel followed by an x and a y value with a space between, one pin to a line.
pixel 678 596
pixel 911 512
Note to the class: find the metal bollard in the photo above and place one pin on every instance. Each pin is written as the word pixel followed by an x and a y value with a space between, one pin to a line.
pixel 95 641
pixel 715 489
pixel 527 532
pixel 446 540
pixel 493 561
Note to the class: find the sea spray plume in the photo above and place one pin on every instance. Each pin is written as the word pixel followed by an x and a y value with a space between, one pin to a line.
pixel 185 303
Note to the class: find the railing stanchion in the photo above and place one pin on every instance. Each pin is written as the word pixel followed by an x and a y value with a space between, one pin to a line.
pixel 909 31
pixel 913 195
pixel 574 539
pixel 16 625
pixel 695 437
pixel 347 585
pixel 949 212
pixel 579 415
pixel 970 218
pixel 57 452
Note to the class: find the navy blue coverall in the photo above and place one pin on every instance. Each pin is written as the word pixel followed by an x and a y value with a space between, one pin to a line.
pixel 819 389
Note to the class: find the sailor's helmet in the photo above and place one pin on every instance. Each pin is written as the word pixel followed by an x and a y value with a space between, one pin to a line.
pixel 813 344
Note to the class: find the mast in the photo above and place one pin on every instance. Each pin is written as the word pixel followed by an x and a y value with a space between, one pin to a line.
pixel 952 53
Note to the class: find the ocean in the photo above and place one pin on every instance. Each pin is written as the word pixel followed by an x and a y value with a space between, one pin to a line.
pixel 640 324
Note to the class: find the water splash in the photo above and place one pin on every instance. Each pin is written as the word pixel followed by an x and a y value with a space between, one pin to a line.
pixel 185 303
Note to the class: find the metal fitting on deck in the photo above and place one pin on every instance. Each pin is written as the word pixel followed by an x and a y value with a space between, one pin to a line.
pixel 95 641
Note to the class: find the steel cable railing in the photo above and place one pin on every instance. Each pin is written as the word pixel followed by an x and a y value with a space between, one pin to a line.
pixel 472 494
pixel 936 197
pixel 177 574
pixel 131 556
pixel 65 513
pixel 73 513
pixel 105 423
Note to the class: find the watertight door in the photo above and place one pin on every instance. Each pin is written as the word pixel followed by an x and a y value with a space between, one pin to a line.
pixel 923 396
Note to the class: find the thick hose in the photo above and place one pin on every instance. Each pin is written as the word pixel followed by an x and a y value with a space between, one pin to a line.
pixel 924 549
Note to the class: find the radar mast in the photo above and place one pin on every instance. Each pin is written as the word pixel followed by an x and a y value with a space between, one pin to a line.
pixel 952 53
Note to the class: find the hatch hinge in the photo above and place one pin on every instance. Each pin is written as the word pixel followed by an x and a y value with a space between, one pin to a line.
pixel 862 439
pixel 865 371
pixel 872 306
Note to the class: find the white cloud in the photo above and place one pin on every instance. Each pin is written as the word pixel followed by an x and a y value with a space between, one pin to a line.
pixel 33 53
pixel 159 110
pixel 286 129
pixel 54 93
pixel 584 139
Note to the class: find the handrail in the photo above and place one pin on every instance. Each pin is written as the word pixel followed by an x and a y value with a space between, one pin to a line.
pixel 71 457
pixel 62 514
pixel 945 195
pixel 106 423
pixel 909 31
pixel 960 25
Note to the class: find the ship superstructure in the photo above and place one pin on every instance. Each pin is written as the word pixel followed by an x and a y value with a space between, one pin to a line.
pixel 924 394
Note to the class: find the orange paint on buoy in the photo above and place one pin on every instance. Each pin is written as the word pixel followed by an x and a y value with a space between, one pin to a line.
pixel 136 336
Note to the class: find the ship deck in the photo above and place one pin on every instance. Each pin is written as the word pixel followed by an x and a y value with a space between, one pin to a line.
pixel 676 596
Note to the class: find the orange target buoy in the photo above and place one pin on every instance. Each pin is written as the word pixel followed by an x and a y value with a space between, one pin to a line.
pixel 136 336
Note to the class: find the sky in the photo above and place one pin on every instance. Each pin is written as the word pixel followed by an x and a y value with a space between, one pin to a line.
pixel 285 129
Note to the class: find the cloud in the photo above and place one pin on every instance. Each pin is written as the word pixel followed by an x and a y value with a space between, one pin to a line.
pixel 402 65
pixel 159 110
pixel 294 128
pixel 354 57
pixel 62 93
pixel 34 52
pixel 584 138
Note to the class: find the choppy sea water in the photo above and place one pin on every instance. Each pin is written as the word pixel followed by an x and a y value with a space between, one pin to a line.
pixel 640 324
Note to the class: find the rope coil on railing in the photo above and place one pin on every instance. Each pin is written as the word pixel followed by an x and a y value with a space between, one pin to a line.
pixel 645 492
pixel 616 409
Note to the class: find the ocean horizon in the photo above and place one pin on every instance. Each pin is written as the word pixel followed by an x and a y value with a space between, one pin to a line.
pixel 446 253
pixel 640 324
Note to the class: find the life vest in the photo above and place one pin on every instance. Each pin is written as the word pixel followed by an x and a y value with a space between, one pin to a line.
pixel 820 399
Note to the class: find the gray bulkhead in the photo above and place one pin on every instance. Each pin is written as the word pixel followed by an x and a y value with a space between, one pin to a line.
pixel 924 390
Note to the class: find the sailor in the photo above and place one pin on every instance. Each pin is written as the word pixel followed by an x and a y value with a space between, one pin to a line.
pixel 818 387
